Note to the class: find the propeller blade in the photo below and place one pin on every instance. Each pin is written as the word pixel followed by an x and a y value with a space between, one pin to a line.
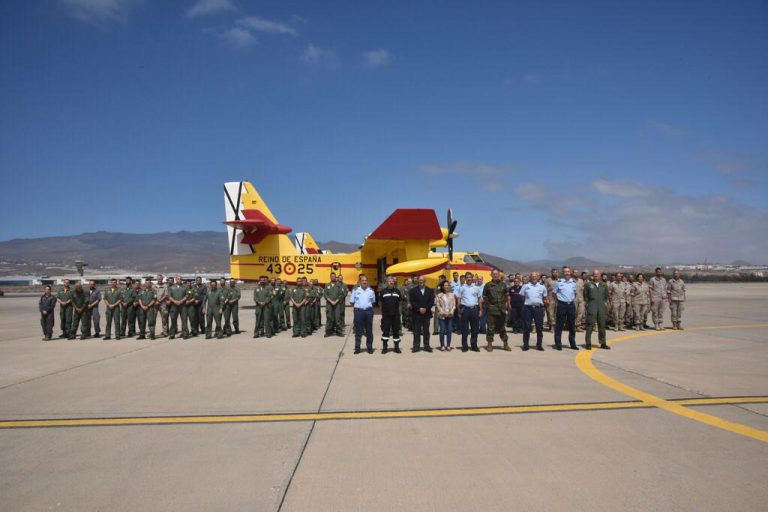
pixel 450 249
pixel 450 218
pixel 452 228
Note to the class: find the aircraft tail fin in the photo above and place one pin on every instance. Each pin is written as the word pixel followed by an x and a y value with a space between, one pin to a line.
pixel 305 244
pixel 249 220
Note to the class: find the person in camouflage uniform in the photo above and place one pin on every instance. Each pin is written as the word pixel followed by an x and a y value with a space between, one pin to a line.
pixel 496 302
pixel 262 297
pixel 146 310
pixel 161 304
pixel 579 301
pixel 629 311
pixel 641 301
pixel 618 300
pixel 551 306
pixel 676 291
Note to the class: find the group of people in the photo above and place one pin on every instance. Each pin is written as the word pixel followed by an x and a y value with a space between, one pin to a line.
pixel 134 308
pixel 465 306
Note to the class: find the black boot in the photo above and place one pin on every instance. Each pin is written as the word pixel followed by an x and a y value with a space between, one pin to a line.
pixel 397 347
pixel 384 348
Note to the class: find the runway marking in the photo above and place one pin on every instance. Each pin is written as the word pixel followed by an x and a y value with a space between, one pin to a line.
pixel 369 415
pixel 584 363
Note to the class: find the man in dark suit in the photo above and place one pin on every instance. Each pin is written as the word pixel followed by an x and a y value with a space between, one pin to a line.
pixel 595 296
pixel 422 299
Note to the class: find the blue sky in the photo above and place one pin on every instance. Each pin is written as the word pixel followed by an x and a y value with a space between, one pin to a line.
pixel 633 132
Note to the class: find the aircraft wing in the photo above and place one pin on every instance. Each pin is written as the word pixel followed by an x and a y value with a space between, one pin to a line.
pixel 409 224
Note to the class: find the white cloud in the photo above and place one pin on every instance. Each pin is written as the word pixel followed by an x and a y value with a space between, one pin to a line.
pixel 649 224
pixel 669 129
pixel 491 177
pixel 731 163
pixel 320 57
pixel 99 10
pixel 530 78
pixel 377 58
pixel 620 188
pixel 237 37
pixel 267 26
pixel 208 7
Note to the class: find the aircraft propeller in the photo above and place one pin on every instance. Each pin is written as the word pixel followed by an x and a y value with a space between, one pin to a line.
pixel 451 228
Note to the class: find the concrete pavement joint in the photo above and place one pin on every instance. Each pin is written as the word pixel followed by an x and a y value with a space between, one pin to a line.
pixel 87 363
pixel 314 422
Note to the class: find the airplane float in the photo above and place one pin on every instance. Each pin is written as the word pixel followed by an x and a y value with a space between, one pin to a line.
pixel 404 245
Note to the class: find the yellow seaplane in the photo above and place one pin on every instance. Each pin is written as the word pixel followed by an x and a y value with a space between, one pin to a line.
pixel 406 244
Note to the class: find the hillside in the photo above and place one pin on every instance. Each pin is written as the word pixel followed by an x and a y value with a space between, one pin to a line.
pixel 183 251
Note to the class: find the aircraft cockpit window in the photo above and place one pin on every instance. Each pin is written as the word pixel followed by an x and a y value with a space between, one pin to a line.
pixel 473 258
pixel 468 259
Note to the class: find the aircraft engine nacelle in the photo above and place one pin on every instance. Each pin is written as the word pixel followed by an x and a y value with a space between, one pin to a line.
pixel 420 267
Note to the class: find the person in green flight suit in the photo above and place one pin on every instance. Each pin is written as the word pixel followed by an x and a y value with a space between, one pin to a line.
pixel 146 310
pixel 64 298
pixel 334 301
pixel 262 297
pixel 278 311
pixel 318 297
pixel 190 306
pixel 345 292
pixel 595 297
pixel 213 311
pixel 79 305
pixel 273 306
pixel 310 306
pixel 286 306
pixel 496 300
pixel 128 310
pixel 177 296
pixel 234 305
pixel 299 301
pixel 113 297
pixel 226 315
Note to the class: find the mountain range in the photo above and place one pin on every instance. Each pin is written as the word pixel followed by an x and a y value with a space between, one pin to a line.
pixel 185 251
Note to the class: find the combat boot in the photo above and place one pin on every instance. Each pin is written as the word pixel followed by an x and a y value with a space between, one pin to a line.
pixel 489 348
pixel 397 348
pixel 506 347
pixel 384 348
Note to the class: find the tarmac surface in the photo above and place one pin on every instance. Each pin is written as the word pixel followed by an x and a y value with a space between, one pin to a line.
pixel 674 420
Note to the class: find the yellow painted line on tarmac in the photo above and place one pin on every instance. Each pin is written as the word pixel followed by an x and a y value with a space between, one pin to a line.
pixel 363 415
pixel 584 363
